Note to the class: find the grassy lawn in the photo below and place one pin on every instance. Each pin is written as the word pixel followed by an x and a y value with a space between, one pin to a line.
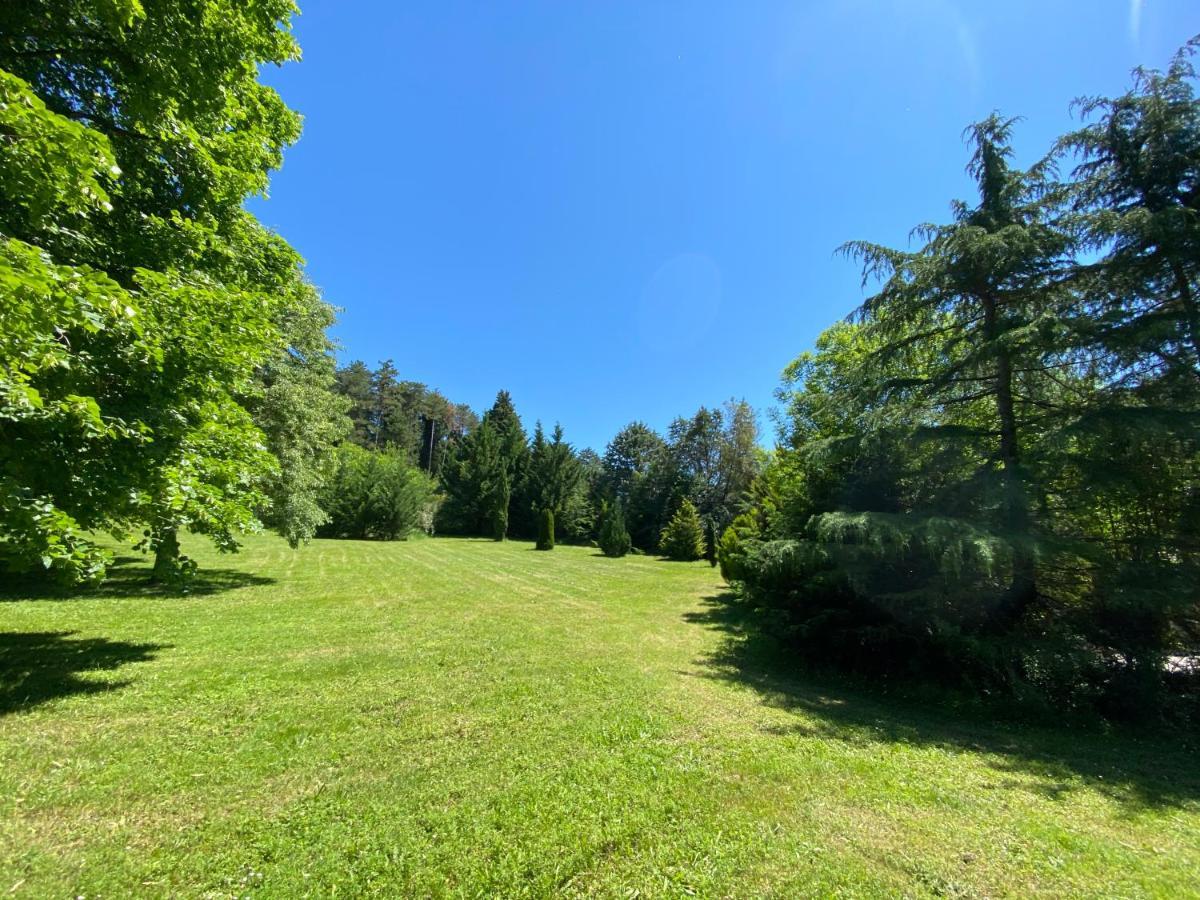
pixel 453 717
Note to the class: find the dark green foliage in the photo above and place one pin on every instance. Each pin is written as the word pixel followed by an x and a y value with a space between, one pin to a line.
pixel 374 495
pixel 614 539
pixel 403 415
pixel 498 508
pixel 486 471
pixel 554 480
pixel 989 480
pixel 710 459
pixel 683 538
pixel 544 474
pixel 710 541
pixel 545 537
pixel 628 457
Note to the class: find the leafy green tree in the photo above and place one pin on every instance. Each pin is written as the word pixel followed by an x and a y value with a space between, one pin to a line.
pixel 683 538
pixel 989 478
pixel 135 143
pixel 1134 201
pixel 302 416
pixel 471 481
pixel 627 457
pixel 355 382
pixel 405 415
pixel 614 540
pixel 545 537
pixel 489 468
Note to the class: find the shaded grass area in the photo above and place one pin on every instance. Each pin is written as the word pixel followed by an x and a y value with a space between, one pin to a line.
pixel 1157 769
pixel 40 666
pixel 460 718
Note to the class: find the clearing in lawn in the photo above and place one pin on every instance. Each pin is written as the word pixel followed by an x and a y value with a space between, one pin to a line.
pixel 460 717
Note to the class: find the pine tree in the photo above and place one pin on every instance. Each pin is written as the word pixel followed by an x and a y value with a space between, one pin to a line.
pixel 614 539
pixel 710 541
pixel 964 329
pixel 683 538
pixel 554 478
pixel 545 538
pixel 514 457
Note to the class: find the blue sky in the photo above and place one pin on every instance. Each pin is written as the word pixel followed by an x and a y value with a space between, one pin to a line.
pixel 622 211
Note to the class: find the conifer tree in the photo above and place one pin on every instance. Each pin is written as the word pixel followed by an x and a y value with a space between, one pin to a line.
pixel 554 478
pixel 545 538
pixel 513 455
pixel 683 538
pixel 614 540
pixel 710 541
pixel 983 291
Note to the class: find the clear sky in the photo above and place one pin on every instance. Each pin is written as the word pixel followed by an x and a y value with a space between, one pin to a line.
pixel 624 210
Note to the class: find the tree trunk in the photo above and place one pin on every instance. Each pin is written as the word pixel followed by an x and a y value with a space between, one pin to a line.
pixel 166 557
pixel 1190 313
pixel 1023 588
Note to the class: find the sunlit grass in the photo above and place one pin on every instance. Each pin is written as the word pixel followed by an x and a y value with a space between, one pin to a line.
pixel 450 717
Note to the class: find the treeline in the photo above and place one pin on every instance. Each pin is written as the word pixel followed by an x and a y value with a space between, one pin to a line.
pixel 406 416
pixel 412 459
pixel 497 480
pixel 989 477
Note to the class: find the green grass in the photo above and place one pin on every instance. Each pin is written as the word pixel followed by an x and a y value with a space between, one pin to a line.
pixel 451 717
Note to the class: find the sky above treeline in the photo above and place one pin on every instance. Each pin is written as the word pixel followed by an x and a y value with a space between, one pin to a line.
pixel 624 210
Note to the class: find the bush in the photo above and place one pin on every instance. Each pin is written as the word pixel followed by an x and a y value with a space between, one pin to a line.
pixel 545 538
pixel 734 546
pixel 499 523
pixel 374 495
pixel 683 538
pixel 710 542
pixel 614 540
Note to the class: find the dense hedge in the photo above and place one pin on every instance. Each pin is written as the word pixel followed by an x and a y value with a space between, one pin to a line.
pixel 375 495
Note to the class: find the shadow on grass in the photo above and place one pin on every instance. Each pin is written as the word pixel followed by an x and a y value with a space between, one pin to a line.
pixel 129 576
pixel 1137 770
pixel 39 666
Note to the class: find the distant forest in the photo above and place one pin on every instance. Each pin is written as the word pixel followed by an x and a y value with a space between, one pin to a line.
pixel 495 478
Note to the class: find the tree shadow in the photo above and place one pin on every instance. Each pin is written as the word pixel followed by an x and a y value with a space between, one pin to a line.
pixel 39 666
pixel 1141 770
pixel 129 577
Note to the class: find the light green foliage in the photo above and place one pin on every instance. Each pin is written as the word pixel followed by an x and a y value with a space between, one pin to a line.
pixel 731 551
pixel 54 172
pixel 302 417
pixel 452 717
pixel 683 538
pixel 145 302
